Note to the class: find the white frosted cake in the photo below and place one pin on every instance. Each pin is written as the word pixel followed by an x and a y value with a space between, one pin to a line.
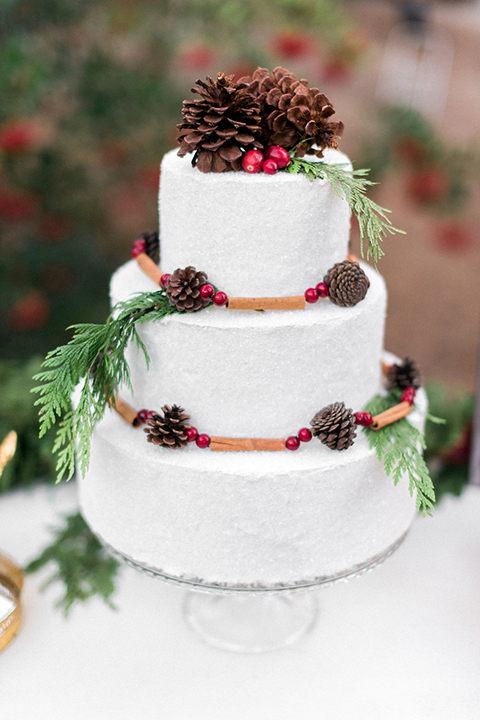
pixel 249 518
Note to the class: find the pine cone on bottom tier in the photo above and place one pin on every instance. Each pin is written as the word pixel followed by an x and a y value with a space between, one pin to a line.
pixel 334 426
pixel 293 112
pixel 219 126
pixel 183 289
pixel 406 375
pixel 153 245
pixel 347 283
pixel 170 430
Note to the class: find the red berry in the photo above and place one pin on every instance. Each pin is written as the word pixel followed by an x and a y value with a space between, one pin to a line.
pixel 292 443
pixel 367 419
pixel 149 414
pixel 408 395
pixel 279 155
pixel 322 290
pixel 270 167
pixel 252 161
pixel 359 418
pixel 304 435
pixel 18 136
pixel 164 279
pixel 192 434
pixel 311 295
pixel 139 246
pixel 142 416
pixel 206 291
pixel 220 298
pixel 203 441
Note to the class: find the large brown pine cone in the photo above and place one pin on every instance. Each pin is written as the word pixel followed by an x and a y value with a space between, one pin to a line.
pixel 220 125
pixel 170 429
pixel 405 375
pixel 153 245
pixel 335 426
pixel 293 112
pixel 183 289
pixel 347 283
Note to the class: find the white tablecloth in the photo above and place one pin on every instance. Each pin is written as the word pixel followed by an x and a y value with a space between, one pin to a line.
pixel 400 643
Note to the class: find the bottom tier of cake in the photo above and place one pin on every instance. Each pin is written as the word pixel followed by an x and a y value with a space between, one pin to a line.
pixel 243 519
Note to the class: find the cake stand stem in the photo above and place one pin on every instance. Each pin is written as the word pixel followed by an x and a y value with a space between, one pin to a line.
pixel 251 623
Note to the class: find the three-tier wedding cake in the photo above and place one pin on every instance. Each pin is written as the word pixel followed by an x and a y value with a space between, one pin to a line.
pixel 301 510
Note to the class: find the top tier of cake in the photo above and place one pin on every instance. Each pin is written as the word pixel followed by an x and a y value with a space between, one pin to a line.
pixel 255 235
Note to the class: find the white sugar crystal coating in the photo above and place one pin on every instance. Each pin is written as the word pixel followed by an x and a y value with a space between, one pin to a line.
pixel 250 517
pixel 255 235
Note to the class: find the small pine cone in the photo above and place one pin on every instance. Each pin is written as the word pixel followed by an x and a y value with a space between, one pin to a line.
pixel 183 289
pixel 347 283
pixel 153 245
pixel 405 375
pixel 170 429
pixel 335 426
pixel 292 112
pixel 219 126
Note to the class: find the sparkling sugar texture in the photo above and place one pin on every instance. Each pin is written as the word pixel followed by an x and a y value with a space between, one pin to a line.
pixel 255 235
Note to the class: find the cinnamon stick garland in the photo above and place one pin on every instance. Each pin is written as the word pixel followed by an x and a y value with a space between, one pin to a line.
pixel 226 444
pixel 295 302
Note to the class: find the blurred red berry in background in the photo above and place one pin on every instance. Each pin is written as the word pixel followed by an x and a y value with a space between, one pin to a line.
pixel 17 205
pixel 30 312
pixel 18 136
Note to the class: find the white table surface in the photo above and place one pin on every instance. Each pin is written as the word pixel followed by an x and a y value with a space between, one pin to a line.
pixel 402 642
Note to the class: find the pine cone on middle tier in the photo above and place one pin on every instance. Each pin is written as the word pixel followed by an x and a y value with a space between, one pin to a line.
pixel 183 289
pixel 334 426
pixel 347 283
pixel 169 430
pixel 220 125
pixel 293 112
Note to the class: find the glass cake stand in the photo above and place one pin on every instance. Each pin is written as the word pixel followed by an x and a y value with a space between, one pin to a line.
pixel 252 618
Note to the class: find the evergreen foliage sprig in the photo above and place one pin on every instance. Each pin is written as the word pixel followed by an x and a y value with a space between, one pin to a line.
pixel 352 186
pixel 95 353
pixel 83 565
pixel 399 446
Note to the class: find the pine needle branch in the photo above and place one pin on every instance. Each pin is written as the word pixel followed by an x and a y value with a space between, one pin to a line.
pixel 352 186
pixel 399 446
pixel 95 353
pixel 82 564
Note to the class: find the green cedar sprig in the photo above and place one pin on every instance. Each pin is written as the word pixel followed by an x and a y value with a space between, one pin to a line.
pixel 399 446
pixel 95 353
pixel 83 565
pixel 352 186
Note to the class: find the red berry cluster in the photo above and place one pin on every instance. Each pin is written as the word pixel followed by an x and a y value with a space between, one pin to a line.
pixel 139 246
pixel 363 418
pixel 408 395
pixel 293 442
pixel 319 291
pixel 275 158
pixel 144 415
pixel 201 440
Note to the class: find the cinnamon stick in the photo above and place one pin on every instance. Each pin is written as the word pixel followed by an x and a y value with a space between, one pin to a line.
pixel 149 267
pixel 295 302
pixel 125 411
pixel 227 444
pixel 385 368
pixel 391 415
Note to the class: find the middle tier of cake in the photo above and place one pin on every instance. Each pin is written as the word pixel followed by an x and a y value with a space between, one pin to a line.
pixel 256 374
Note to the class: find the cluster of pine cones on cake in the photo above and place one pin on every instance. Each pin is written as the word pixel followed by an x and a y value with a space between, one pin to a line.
pixel 269 108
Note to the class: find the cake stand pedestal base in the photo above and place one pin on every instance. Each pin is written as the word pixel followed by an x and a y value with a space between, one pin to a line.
pixel 251 623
